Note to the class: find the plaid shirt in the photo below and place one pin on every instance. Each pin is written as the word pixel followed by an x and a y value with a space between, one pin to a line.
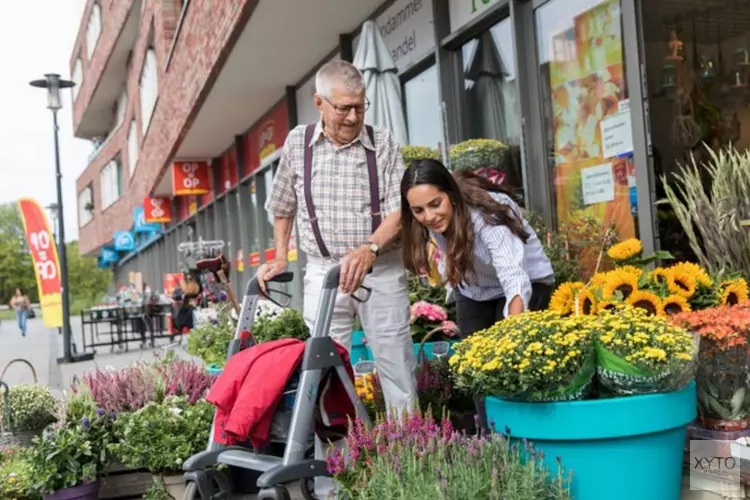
pixel 340 188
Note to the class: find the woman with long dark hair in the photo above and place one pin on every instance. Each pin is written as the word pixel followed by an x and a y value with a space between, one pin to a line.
pixel 492 256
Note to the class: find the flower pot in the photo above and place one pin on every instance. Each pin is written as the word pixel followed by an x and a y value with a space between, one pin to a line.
pixel 604 440
pixel 88 491
pixel 428 350
pixel 174 484
pixel 360 351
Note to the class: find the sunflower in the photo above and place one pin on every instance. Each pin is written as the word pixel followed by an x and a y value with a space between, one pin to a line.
pixel 620 281
pixel 586 302
pixel 701 276
pixel 599 279
pixel 733 292
pixel 625 250
pixel 562 300
pixel 674 304
pixel 635 271
pixel 647 301
pixel 681 283
pixel 660 275
pixel 608 305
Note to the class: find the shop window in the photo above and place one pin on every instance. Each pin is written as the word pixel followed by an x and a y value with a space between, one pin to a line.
pixel 133 148
pixel 491 95
pixel 77 77
pixel 149 87
pixel 422 102
pixel 253 232
pixel 110 183
pixel 94 29
pixel 586 111
pixel 270 243
pixel 85 206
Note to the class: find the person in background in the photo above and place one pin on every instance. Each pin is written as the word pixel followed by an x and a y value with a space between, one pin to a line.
pixel 21 304
pixel 340 179
pixel 491 255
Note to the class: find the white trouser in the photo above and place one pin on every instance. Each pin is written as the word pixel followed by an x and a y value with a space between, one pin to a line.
pixel 385 321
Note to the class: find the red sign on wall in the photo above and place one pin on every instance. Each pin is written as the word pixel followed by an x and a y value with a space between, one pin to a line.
pixel 157 210
pixel 228 173
pixel 267 137
pixel 191 178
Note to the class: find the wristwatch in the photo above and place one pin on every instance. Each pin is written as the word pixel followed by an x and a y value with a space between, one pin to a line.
pixel 373 248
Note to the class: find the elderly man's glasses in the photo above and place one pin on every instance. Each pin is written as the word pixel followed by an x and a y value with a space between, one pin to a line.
pixel 342 110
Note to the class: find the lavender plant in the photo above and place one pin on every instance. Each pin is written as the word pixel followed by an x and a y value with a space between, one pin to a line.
pixel 418 459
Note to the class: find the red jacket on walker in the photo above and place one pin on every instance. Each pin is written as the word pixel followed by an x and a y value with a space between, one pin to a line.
pixel 252 384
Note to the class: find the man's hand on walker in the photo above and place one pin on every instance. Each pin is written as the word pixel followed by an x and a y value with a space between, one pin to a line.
pixel 270 270
pixel 354 268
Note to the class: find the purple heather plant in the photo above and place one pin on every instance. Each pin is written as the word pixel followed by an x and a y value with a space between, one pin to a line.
pixel 414 458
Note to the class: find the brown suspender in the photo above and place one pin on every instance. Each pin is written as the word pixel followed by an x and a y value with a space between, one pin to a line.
pixel 372 171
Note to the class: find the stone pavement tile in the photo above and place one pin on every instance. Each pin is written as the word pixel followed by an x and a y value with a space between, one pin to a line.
pixel 38 348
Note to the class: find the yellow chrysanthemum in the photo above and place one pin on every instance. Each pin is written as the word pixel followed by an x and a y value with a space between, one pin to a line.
pixel 701 276
pixel 562 301
pixel 619 281
pixel 647 301
pixel 674 304
pixel 733 292
pixel 625 250
pixel 586 302
pixel 681 283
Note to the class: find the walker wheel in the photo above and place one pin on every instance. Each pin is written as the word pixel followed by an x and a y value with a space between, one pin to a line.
pixel 275 493
pixel 307 488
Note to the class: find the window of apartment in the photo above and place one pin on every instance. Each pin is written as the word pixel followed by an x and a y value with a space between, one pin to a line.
pixel 122 106
pixel 422 102
pixel 85 206
pixel 149 87
pixel 77 77
pixel 94 29
pixel 110 181
pixel 133 148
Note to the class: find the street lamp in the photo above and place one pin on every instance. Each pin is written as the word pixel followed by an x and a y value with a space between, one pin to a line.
pixel 53 84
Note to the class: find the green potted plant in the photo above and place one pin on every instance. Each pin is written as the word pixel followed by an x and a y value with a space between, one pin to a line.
pixel 29 410
pixel 210 342
pixel 289 324
pixel 410 153
pixel 15 475
pixel 161 436
pixel 67 464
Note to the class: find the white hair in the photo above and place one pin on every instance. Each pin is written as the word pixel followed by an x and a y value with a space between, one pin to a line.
pixel 338 72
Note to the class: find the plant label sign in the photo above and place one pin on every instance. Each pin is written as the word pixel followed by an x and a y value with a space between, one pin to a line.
pixel 598 184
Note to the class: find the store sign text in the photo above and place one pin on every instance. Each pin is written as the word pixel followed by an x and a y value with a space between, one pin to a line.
pixel 407 31
pixel 463 11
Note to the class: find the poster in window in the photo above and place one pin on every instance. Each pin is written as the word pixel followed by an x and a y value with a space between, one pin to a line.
pixel 591 119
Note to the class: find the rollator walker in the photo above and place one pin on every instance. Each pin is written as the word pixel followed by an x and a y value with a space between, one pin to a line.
pixel 273 472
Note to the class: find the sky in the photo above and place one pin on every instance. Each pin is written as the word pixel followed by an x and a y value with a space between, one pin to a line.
pixel 36 37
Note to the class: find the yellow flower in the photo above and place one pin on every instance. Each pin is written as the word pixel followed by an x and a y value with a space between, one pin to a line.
pixel 647 301
pixel 635 271
pixel 599 279
pixel 619 281
pixel 659 275
pixel 681 283
pixel 625 250
pixel 733 292
pixel 562 300
pixel 674 304
pixel 701 276
pixel 586 302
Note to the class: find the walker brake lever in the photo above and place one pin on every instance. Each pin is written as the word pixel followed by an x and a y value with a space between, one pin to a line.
pixel 368 292
pixel 281 303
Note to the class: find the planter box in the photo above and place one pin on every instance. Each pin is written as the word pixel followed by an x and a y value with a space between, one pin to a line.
pixel 121 482
pixel 428 346
pixel 605 440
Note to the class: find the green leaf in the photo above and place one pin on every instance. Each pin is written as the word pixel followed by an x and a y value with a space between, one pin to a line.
pixel 738 399
pixel 610 361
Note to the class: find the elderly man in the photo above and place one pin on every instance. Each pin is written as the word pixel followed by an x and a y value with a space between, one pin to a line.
pixel 341 179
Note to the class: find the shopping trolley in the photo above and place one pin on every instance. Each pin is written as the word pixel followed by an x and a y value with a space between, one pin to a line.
pixel 273 471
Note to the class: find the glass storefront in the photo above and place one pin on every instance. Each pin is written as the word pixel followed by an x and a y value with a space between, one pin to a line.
pixel 586 112
pixel 422 102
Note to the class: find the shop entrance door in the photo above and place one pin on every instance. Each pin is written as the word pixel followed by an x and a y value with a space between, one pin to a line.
pixel 586 137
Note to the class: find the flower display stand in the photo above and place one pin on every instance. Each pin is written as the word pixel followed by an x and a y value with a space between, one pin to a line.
pixel 603 441
pixel 88 491
pixel 122 482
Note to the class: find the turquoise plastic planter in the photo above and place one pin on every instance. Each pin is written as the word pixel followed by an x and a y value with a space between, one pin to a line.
pixel 214 370
pixel 619 449
pixel 360 351
pixel 427 350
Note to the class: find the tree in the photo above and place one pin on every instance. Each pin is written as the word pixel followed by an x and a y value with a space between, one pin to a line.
pixel 86 281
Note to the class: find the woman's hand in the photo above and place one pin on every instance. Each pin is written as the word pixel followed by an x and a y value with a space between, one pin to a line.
pixel 515 306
